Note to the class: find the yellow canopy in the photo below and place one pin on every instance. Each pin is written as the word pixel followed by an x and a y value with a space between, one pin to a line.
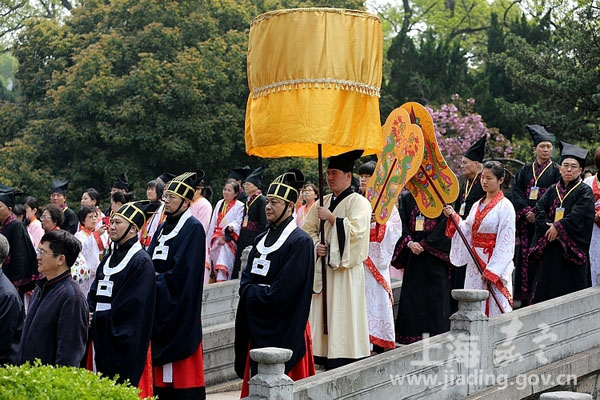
pixel 314 76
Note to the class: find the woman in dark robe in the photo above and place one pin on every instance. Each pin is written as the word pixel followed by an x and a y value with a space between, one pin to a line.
pixel 423 252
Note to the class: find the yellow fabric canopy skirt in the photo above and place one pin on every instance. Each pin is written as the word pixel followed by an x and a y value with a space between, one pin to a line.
pixel 314 77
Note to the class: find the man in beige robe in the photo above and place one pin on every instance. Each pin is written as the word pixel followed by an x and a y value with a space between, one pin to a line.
pixel 347 217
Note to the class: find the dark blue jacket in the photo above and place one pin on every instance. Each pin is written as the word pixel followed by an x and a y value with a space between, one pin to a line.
pixel 56 325
pixel 11 321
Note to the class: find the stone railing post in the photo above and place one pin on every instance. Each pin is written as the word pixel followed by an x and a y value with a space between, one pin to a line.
pixel 271 382
pixel 469 326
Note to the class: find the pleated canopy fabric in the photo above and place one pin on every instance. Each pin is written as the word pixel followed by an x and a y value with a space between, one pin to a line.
pixel 314 76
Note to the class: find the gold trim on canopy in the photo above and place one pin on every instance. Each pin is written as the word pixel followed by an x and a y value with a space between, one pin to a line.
pixel 314 77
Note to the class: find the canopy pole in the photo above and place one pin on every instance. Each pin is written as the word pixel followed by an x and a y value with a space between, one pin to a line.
pixel 322 230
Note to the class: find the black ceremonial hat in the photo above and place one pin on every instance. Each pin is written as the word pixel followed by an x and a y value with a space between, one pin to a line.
pixel 256 176
pixel 477 151
pixel 166 177
pixel 7 196
pixel 345 161
pixel 239 174
pixel 137 212
pixel 287 185
pixel 540 134
pixel 571 151
pixel 184 185
pixel 121 182
pixel 59 186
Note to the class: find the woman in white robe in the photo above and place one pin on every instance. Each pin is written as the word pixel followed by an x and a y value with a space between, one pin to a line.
pixel 93 243
pixel 490 229
pixel 378 286
pixel 223 232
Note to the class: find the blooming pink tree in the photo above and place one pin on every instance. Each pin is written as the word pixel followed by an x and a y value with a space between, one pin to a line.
pixel 457 127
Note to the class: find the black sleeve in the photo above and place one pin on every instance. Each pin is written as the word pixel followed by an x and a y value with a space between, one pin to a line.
pixel 518 195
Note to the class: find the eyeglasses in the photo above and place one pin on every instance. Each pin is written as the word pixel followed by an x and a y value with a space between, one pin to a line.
pixel 45 217
pixel 169 197
pixel 43 252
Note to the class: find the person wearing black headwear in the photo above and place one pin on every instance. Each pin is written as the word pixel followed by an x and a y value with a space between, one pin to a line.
pixel 178 253
pixel 121 301
pixel 564 219
pixel 470 191
pixel 121 184
pixel 276 287
pixel 531 182
pixel 240 174
pixel 255 220
pixel 20 266
pixel 347 218
pixel 58 197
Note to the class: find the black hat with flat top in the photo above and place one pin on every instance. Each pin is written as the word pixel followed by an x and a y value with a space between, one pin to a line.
pixel 568 150
pixel 345 161
pixel 59 186
pixel 540 134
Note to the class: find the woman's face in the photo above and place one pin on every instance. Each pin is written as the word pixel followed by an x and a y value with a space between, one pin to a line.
pixel 489 182
pixel 90 221
pixel 228 193
pixel 30 213
pixel 151 194
pixel 47 222
pixel 114 206
pixel 86 201
pixel 308 195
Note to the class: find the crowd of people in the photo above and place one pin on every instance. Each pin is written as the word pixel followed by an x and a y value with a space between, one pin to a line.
pixel 119 291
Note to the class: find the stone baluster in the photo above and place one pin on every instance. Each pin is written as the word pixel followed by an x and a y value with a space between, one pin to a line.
pixel 469 325
pixel 271 382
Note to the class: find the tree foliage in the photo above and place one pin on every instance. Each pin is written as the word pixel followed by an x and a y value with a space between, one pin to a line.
pixel 138 86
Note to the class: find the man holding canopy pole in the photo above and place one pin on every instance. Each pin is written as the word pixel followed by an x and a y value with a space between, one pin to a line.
pixel 347 217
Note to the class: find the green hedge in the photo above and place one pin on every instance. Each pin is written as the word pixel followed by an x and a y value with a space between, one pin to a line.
pixel 37 382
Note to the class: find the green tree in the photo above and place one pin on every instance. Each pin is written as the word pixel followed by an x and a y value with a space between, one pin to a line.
pixel 138 86
pixel 560 75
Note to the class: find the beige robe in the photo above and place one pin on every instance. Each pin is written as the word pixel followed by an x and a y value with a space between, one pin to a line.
pixel 348 330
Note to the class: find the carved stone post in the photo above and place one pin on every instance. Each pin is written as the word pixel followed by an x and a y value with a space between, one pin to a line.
pixel 271 382
pixel 469 325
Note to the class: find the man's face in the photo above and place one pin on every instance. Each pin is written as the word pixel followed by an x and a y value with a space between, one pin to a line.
pixel 543 150
pixel 569 169
pixel 4 212
pixel 250 188
pixel 113 190
pixel 273 208
pixel 118 227
pixel 338 180
pixel 49 264
pixel 469 167
pixel 172 203
pixel 58 199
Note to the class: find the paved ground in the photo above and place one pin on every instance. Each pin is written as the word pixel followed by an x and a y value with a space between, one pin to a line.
pixel 224 395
